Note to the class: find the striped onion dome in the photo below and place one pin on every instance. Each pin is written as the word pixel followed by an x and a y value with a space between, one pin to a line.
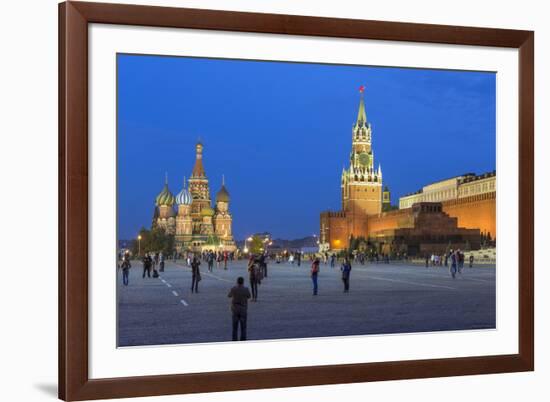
pixel 184 197
pixel 165 197
pixel 207 211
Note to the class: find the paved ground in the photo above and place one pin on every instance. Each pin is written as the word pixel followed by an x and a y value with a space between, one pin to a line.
pixel 383 299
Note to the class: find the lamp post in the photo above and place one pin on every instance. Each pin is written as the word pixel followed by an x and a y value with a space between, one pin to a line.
pixel 139 245
pixel 246 243
pixel 267 242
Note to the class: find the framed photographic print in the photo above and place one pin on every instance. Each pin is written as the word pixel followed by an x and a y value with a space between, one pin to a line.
pixel 259 200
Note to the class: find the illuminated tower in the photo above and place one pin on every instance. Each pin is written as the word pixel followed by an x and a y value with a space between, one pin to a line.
pixel 198 186
pixel 361 182
pixel 184 223
pixel 222 218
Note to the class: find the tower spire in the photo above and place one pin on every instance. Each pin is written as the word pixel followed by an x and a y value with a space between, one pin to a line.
pixel 166 178
pixel 198 169
pixel 184 184
pixel 361 114
pixel 223 180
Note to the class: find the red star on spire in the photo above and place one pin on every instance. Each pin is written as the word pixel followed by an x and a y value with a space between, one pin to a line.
pixel 361 88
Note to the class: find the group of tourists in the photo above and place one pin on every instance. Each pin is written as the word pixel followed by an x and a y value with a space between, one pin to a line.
pixel 151 261
pixel 257 271
pixel 345 268
pixel 454 259
pixel 220 258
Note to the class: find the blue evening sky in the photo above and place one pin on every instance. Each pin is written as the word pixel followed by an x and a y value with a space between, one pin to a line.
pixel 281 132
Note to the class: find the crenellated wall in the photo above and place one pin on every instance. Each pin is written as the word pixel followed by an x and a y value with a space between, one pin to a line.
pixel 475 212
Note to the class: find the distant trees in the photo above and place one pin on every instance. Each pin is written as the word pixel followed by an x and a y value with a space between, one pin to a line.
pixel 357 244
pixel 154 240
pixel 487 240
pixel 256 245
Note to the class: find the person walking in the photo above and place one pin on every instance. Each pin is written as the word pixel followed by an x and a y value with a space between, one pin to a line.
pixel 471 260
pixel 315 274
pixel 332 260
pixel 195 275
pixel 460 258
pixel 346 271
pixel 254 277
pixel 263 265
pixel 239 295
pixel 454 262
pixel 125 265
pixel 210 261
pixel 161 262
pixel 225 257
pixel 299 257
pixel 147 262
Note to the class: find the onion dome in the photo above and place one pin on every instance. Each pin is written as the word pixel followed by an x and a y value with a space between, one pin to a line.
pixel 223 194
pixel 184 197
pixel 207 211
pixel 165 197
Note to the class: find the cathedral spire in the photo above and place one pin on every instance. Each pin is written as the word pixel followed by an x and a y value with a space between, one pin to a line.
pixel 198 169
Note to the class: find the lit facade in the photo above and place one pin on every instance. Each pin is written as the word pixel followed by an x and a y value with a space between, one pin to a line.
pixel 189 216
pixel 361 189
pixel 463 186
pixel 463 207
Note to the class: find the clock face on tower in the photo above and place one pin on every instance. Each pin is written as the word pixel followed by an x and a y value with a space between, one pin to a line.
pixel 364 158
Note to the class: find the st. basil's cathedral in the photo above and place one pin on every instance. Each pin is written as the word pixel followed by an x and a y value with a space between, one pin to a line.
pixel 189 216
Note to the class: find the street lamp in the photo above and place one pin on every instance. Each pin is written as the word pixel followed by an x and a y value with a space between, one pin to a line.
pixel 139 245
pixel 267 243
pixel 246 244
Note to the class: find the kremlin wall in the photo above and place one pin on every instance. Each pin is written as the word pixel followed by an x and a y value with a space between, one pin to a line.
pixel 453 212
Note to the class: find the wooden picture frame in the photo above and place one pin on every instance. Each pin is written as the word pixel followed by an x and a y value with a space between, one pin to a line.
pixel 74 381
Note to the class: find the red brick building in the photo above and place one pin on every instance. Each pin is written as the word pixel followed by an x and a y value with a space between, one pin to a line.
pixel 454 210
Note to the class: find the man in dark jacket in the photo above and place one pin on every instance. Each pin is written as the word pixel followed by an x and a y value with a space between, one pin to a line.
pixel 239 305
pixel 195 275
pixel 315 274
pixel 147 262
pixel 346 271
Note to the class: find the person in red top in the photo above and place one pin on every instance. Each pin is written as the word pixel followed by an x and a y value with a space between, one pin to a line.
pixel 315 274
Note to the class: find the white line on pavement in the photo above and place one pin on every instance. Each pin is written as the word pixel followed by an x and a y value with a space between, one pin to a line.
pixel 445 272
pixel 167 284
pixel 174 293
pixel 217 277
pixel 410 283
pixel 208 274
pixel 477 280
pixel 184 302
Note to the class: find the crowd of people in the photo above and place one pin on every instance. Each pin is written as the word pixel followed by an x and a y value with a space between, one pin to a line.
pixel 454 260
pixel 257 269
